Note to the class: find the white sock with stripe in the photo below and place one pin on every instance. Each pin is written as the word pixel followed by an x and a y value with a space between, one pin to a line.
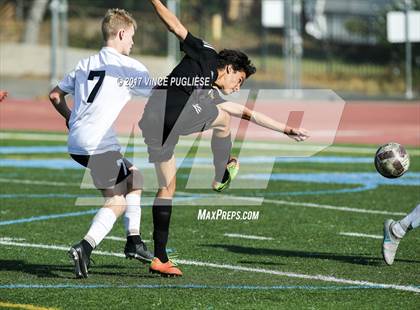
pixel 132 215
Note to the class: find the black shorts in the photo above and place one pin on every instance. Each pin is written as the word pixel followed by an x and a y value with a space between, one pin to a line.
pixel 107 169
pixel 161 134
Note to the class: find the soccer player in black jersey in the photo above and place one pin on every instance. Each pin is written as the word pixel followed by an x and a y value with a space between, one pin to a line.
pixel 188 101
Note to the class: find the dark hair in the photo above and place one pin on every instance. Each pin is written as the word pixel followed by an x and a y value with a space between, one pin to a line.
pixel 238 60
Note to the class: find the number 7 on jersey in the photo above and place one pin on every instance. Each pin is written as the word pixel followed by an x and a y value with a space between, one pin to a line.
pixel 92 75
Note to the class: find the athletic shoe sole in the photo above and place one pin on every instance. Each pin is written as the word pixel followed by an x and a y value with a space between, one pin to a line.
pixel 79 270
pixel 140 258
pixel 164 275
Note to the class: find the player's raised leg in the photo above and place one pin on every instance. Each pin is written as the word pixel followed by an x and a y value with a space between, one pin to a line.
pixel 226 167
pixel 134 247
pixel 395 231
pixel 221 147
pixel 162 210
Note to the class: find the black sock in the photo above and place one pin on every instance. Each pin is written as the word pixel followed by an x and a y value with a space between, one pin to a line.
pixel 87 247
pixel 135 239
pixel 221 148
pixel 162 209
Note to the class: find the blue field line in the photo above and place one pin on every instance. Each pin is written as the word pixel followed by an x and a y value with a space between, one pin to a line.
pixel 270 159
pixel 191 286
pixel 365 181
pixel 41 163
pixel 47 217
pixel 324 192
pixel 32 149
pixel 365 178
pixel 66 163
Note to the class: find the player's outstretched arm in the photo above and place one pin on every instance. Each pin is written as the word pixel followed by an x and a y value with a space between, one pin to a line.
pixel 240 111
pixel 58 100
pixel 170 20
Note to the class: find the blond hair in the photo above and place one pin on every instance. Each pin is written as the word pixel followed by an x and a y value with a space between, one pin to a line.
pixel 114 20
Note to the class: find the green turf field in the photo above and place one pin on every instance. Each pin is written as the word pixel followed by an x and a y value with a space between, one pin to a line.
pixel 316 242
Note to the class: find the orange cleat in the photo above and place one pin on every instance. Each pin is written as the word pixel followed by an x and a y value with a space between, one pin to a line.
pixel 167 269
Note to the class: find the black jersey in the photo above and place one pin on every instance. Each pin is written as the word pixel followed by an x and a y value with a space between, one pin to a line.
pixel 193 76
pixel 185 102
pixel 199 63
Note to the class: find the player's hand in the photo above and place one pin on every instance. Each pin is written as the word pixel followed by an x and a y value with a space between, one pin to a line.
pixel 3 95
pixel 297 134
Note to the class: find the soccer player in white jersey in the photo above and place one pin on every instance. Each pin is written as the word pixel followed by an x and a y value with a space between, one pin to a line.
pixel 99 97
pixel 395 231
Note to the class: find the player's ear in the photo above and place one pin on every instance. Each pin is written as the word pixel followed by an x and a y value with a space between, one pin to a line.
pixel 121 34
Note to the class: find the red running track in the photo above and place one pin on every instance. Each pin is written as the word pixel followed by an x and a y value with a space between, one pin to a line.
pixel 361 122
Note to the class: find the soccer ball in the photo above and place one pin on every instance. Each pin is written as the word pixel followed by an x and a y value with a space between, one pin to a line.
pixel 392 160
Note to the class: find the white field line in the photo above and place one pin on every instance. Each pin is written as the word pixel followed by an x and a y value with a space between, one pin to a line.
pixel 257 200
pixel 323 278
pixel 188 143
pixel 303 276
pixel 303 204
pixel 351 234
pixel 247 237
pixel 122 239
pixel 318 206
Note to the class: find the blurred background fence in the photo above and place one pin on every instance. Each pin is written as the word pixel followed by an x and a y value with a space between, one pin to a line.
pixel 344 43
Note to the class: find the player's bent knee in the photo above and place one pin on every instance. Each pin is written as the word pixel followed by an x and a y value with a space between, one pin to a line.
pixel 117 204
pixel 134 192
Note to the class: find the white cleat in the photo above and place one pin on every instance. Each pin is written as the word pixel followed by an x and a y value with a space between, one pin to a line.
pixel 390 242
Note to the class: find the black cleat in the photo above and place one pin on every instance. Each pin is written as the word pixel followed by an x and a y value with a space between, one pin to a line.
pixel 81 261
pixel 138 251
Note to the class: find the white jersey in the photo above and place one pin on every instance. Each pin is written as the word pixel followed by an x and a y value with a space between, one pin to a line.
pixel 98 85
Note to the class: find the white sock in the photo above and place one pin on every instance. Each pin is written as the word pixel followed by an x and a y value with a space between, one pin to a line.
pixel 132 215
pixel 101 225
pixel 412 220
pixel 416 222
